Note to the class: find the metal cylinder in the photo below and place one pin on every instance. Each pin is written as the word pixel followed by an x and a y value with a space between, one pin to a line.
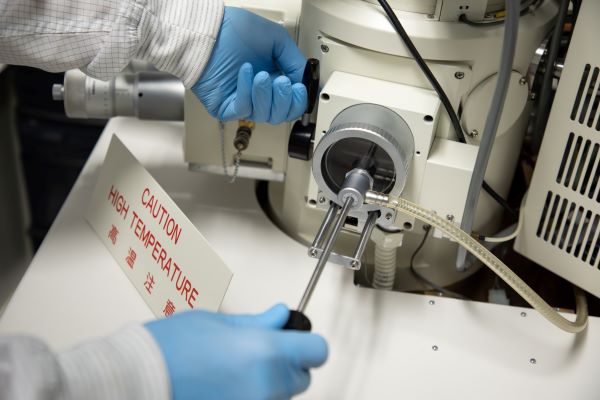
pixel 147 95
pixel 356 185
pixel 158 96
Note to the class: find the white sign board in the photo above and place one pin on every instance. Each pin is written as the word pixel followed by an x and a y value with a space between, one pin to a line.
pixel 162 253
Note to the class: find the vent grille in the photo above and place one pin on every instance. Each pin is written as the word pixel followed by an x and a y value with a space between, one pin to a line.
pixel 571 228
pixel 580 167
pixel 587 100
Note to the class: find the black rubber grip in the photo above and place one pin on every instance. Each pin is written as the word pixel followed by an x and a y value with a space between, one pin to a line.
pixel 298 322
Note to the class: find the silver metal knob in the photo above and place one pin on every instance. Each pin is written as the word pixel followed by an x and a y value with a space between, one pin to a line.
pixel 58 92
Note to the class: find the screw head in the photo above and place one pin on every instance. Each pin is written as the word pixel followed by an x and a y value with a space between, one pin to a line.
pixel 532 361
pixel 459 75
pixel 355 264
pixel 324 48
pixel 474 133
pixel 322 199
pixel 523 314
pixel 388 216
pixel 431 302
pixel 434 348
pixel 523 81
pixel 450 217
pixel 313 252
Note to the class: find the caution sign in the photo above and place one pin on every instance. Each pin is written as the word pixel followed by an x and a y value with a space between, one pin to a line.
pixel 162 253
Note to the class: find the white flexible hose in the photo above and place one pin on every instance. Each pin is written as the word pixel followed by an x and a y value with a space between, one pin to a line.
pixel 485 256
pixel 385 267
pixel 515 233
pixel 502 239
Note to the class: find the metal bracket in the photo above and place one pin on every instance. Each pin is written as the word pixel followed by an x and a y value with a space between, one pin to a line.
pixel 353 263
pixel 344 261
pixel 387 216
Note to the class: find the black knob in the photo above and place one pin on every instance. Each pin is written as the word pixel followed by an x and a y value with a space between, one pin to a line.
pixel 300 143
pixel 303 132
pixel 297 321
pixel 310 79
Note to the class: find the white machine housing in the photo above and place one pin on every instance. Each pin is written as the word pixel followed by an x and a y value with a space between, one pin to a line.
pixel 363 60
pixel 418 107
pixel 561 229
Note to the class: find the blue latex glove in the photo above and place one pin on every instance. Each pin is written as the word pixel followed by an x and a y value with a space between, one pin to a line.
pixel 254 72
pixel 218 356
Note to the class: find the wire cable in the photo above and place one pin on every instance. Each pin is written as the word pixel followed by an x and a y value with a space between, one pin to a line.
pixel 438 89
pixel 426 71
pixel 513 234
pixel 500 200
pixel 421 278
pixel 576 6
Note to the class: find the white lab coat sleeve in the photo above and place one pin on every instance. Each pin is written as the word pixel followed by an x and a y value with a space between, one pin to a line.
pixel 101 36
pixel 127 365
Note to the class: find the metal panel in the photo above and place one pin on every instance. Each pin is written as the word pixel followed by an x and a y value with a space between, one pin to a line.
pixel 562 214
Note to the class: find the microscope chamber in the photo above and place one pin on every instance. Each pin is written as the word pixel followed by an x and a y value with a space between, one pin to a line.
pixel 368 147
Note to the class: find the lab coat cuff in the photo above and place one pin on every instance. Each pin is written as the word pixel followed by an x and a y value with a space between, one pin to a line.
pixel 127 365
pixel 178 36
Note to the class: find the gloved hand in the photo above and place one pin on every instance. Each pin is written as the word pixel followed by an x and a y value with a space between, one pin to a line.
pixel 217 356
pixel 247 45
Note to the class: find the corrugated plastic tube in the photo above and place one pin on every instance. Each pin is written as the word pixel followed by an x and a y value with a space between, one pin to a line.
pixel 385 267
pixel 490 260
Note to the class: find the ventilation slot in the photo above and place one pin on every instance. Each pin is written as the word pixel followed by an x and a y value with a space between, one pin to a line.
pixel 565 157
pixel 591 92
pixel 544 212
pixel 582 86
pixel 571 228
pixel 587 100
pixel 582 162
pixel 580 166
pixel 572 155
pixel 591 165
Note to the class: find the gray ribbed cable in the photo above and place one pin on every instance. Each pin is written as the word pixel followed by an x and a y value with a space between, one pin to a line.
pixel 511 30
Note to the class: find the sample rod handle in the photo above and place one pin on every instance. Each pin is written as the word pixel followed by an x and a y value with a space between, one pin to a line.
pixel 365 235
pixel 329 241
pixel 297 321
pixel 333 208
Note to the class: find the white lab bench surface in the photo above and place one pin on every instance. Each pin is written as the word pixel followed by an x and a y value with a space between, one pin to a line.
pixel 383 345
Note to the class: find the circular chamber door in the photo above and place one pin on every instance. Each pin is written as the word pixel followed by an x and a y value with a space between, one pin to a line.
pixel 369 137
